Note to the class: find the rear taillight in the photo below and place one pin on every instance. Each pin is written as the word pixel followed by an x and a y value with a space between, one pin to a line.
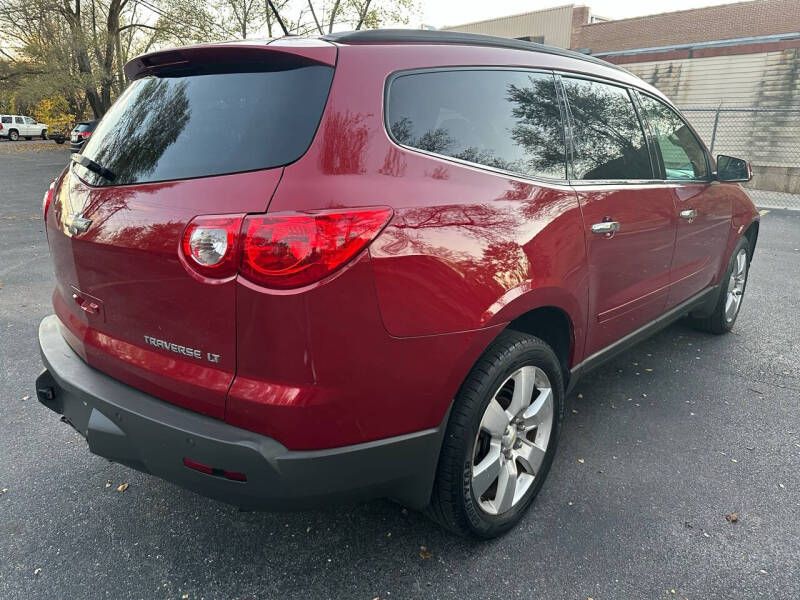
pixel 281 251
pixel 285 251
pixel 84 134
pixel 48 197
pixel 210 245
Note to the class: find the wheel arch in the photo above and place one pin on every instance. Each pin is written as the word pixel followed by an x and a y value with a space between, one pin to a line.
pixel 751 233
pixel 554 326
pixel 554 314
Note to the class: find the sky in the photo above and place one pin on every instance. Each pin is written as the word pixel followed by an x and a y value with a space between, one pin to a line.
pixel 456 12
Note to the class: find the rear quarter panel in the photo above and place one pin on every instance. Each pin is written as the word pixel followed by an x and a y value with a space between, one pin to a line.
pixel 467 248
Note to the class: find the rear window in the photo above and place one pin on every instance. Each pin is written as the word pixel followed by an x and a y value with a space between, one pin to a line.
pixel 165 128
pixel 81 127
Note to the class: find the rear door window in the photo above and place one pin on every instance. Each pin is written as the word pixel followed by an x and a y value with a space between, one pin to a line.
pixel 682 155
pixel 608 142
pixel 166 128
pixel 504 119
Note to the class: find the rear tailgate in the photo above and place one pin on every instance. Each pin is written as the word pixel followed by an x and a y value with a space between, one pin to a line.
pixel 195 136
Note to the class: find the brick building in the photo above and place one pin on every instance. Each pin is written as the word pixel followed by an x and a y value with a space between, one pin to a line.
pixel 708 24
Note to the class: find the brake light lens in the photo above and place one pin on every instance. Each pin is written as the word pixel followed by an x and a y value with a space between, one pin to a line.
pixel 48 198
pixel 285 251
pixel 210 245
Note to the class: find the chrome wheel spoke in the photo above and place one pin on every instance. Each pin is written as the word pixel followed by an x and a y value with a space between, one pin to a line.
pixel 524 381
pixel 495 420
pixel 540 411
pixel 506 486
pixel 485 473
pixel 729 302
pixel 741 263
pixel 531 457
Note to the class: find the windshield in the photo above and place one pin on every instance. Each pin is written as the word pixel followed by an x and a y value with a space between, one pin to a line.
pixel 180 127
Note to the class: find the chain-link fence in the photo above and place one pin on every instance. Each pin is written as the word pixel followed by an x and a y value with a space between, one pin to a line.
pixel 769 138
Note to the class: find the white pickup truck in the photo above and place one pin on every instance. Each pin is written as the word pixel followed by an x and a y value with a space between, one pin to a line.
pixel 16 126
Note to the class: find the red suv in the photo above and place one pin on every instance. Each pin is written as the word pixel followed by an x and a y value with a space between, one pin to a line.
pixel 373 264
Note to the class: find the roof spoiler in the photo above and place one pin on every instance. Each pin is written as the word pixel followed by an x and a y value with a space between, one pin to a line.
pixel 232 57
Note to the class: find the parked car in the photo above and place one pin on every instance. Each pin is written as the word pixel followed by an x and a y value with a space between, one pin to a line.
pixel 59 131
pixel 81 133
pixel 388 274
pixel 14 127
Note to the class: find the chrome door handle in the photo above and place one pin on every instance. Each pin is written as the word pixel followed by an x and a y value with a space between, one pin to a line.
pixel 605 227
pixel 688 214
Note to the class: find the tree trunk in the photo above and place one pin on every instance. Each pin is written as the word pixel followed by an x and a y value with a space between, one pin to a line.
pixel 363 14
pixel 73 18
pixel 332 20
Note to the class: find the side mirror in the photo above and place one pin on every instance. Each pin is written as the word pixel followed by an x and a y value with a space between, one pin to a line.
pixel 733 169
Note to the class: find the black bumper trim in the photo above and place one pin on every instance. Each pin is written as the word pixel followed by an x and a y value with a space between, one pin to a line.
pixel 130 427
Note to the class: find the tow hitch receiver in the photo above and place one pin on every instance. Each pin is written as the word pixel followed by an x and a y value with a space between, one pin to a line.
pixel 46 392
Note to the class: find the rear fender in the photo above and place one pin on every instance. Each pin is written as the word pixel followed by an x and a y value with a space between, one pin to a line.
pixel 517 302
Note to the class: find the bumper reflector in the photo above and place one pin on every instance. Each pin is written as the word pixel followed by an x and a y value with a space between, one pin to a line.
pixel 209 470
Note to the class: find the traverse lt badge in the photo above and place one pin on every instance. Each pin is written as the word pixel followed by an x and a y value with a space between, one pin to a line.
pixel 179 349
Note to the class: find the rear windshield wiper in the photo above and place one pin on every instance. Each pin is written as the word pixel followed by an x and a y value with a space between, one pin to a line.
pixel 95 167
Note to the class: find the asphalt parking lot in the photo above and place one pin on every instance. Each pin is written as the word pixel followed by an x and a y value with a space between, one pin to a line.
pixel 658 447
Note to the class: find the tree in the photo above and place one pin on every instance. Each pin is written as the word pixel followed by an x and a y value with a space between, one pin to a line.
pixel 76 49
pixel 356 14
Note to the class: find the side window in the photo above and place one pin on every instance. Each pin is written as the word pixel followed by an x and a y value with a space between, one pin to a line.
pixel 19 120
pixel 30 121
pixel 681 153
pixel 607 137
pixel 508 120
pixel 5 120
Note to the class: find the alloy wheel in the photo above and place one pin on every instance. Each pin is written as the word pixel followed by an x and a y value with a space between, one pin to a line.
pixel 736 283
pixel 512 440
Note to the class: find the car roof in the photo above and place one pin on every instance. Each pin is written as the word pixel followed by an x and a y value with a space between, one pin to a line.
pixel 572 61
pixel 425 36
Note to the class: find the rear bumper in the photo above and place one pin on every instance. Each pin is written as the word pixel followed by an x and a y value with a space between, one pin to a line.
pixel 130 427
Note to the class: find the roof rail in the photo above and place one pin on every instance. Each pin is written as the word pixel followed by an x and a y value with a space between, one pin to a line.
pixel 426 36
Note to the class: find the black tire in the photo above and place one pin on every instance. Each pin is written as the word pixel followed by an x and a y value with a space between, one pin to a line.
pixel 44 134
pixel 717 322
pixel 13 135
pixel 453 504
